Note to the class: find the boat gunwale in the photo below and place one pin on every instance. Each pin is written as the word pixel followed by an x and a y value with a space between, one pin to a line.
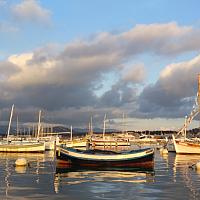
pixel 109 158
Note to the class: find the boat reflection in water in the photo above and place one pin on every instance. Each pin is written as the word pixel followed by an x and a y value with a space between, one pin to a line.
pixel 69 175
pixel 182 162
pixel 12 177
pixel 183 170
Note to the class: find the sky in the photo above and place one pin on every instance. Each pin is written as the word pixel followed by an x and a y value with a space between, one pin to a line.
pixel 75 59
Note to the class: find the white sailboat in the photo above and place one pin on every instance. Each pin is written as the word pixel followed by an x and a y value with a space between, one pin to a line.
pixel 50 140
pixel 184 145
pixel 19 146
pixel 108 140
pixel 75 142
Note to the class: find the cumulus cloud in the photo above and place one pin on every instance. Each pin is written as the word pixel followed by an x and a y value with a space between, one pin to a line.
pixel 65 79
pixel 7 69
pixel 31 10
pixel 173 93
pixel 134 74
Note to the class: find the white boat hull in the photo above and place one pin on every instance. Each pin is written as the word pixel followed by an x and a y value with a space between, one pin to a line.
pixel 185 147
pixel 22 147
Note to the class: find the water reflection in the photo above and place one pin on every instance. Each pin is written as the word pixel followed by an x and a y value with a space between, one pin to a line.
pixel 21 175
pixel 20 169
pixel 173 179
pixel 182 160
pixel 74 176
pixel 182 170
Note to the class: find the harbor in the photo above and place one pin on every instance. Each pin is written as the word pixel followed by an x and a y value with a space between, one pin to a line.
pixel 99 100
pixel 106 161
pixel 42 180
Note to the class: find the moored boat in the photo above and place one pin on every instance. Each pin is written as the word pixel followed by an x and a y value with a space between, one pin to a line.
pixel 22 147
pixel 186 147
pixel 140 158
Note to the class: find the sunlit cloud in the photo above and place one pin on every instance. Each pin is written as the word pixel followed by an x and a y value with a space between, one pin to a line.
pixel 31 10
pixel 63 80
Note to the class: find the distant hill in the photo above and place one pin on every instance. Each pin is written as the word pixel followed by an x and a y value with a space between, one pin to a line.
pixel 56 129
pixel 83 131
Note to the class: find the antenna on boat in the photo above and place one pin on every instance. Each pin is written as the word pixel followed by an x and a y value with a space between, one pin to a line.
pixel 11 114
pixel 39 125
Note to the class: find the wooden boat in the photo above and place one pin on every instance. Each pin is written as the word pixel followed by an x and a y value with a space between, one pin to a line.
pixel 186 147
pixel 111 142
pixel 76 143
pixel 72 142
pixel 103 158
pixel 96 140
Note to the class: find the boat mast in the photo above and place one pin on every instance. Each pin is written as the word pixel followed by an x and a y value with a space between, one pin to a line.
pixel 104 126
pixel 11 114
pixel 198 92
pixel 17 126
pixel 123 124
pixel 195 111
pixel 185 130
pixel 71 138
pixel 91 127
pixel 39 125
pixel 126 124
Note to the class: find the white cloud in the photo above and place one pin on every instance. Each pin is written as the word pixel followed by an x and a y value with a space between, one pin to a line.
pixel 135 73
pixel 173 93
pixel 180 78
pixel 31 10
pixel 66 79
pixel 6 28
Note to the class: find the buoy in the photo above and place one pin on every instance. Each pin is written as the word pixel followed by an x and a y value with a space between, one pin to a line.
pixel 198 166
pixel 20 169
pixel 164 151
pixel 161 150
pixel 21 162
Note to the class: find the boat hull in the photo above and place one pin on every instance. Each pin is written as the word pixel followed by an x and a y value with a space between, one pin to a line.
pixel 76 144
pixel 185 147
pixel 22 147
pixel 139 159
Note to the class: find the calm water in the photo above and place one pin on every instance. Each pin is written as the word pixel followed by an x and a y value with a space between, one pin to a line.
pixel 172 179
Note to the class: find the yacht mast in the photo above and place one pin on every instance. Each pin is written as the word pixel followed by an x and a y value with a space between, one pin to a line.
pixel 91 126
pixel 198 92
pixel 39 125
pixel 11 114
pixel 71 137
pixel 104 126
